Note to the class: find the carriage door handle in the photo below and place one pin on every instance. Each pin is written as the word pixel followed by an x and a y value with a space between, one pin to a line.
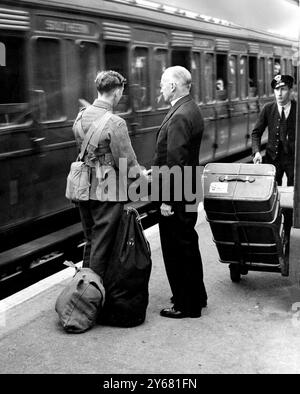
pixel 134 125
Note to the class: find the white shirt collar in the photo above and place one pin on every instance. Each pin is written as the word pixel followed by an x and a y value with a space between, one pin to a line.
pixel 287 108
pixel 173 102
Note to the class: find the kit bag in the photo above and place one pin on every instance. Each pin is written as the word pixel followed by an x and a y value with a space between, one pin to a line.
pixel 127 276
pixel 79 304
pixel 78 179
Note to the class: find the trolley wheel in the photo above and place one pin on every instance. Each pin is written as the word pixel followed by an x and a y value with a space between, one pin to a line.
pixel 235 273
pixel 287 225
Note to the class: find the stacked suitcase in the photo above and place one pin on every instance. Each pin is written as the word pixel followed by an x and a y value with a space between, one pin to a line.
pixel 242 207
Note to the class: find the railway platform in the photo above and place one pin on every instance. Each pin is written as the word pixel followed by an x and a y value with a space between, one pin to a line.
pixel 248 327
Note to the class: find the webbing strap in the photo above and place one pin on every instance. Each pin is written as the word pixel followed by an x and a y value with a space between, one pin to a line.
pixel 96 127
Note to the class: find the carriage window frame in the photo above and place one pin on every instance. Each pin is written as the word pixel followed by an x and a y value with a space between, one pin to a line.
pixel 197 77
pixel 262 77
pixel 290 67
pixel 295 74
pixel 59 40
pixel 81 72
pixel 127 74
pixel 148 90
pixel 269 76
pixel 233 79
pixel 158 97
pixel 244 87
pixel 207 99
pixel 285 66
pixel 2 54
pixel 222 59
pixel 253 91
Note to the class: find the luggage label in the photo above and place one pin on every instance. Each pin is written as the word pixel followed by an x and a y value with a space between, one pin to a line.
pixel 218 187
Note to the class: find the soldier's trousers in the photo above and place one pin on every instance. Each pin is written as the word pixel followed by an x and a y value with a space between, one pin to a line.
pixel 100 221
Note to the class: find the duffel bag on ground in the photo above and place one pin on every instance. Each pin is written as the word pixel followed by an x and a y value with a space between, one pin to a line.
pixel 127 276
pixel 81 301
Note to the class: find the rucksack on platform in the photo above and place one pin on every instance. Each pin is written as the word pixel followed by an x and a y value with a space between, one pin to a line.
pixel 80 302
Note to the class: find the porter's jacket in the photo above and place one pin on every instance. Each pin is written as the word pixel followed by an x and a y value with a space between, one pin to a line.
pixel 270 117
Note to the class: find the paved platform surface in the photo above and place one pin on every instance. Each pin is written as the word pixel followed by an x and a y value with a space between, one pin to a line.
pixel 250 327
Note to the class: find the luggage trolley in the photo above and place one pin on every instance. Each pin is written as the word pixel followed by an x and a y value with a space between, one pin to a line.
pixel 249 226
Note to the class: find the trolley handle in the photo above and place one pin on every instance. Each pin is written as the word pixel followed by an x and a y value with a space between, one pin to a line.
pixel 233 178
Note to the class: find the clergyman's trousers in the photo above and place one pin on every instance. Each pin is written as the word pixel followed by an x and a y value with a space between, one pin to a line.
pixel 179 241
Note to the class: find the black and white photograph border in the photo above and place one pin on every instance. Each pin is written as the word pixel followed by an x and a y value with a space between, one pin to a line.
pixel 251 324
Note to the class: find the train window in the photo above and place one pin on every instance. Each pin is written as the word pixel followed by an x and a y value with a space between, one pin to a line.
pixel 284 67
pixel 12 81
pixel 209 77
pixel 277 67
pixel 196 77
pixel 270 76
pixel 140 78
pixel 73 77
pixel 161 63
pixel 116 58
pixel 2 55
pixel 243 76
pixel 252 62
pixel 221 81
pixel 89 65
pixel 262 78
pixel 290 67
pixel 295 75
pixel 181 58
pixel 48 76
pixel 233 75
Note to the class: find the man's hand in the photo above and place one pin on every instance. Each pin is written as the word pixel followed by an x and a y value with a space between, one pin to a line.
pixel 257 159
pixel 166 210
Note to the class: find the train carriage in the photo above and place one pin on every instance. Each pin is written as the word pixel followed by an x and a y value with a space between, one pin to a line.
pixel 50 52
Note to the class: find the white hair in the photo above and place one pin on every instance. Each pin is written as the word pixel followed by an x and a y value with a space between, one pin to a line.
pixel 181 76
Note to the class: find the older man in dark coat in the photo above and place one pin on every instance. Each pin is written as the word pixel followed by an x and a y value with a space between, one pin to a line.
pixel 178 144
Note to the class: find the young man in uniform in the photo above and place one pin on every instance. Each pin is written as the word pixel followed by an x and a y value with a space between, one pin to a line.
pixel 280 118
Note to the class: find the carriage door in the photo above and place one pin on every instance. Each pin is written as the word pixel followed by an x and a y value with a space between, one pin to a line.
pixel 142 140
pixel 48 89
pixel 16 144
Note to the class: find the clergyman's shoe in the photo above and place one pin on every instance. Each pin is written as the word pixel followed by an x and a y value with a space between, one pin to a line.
pixel 175 314
pixel 203 303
